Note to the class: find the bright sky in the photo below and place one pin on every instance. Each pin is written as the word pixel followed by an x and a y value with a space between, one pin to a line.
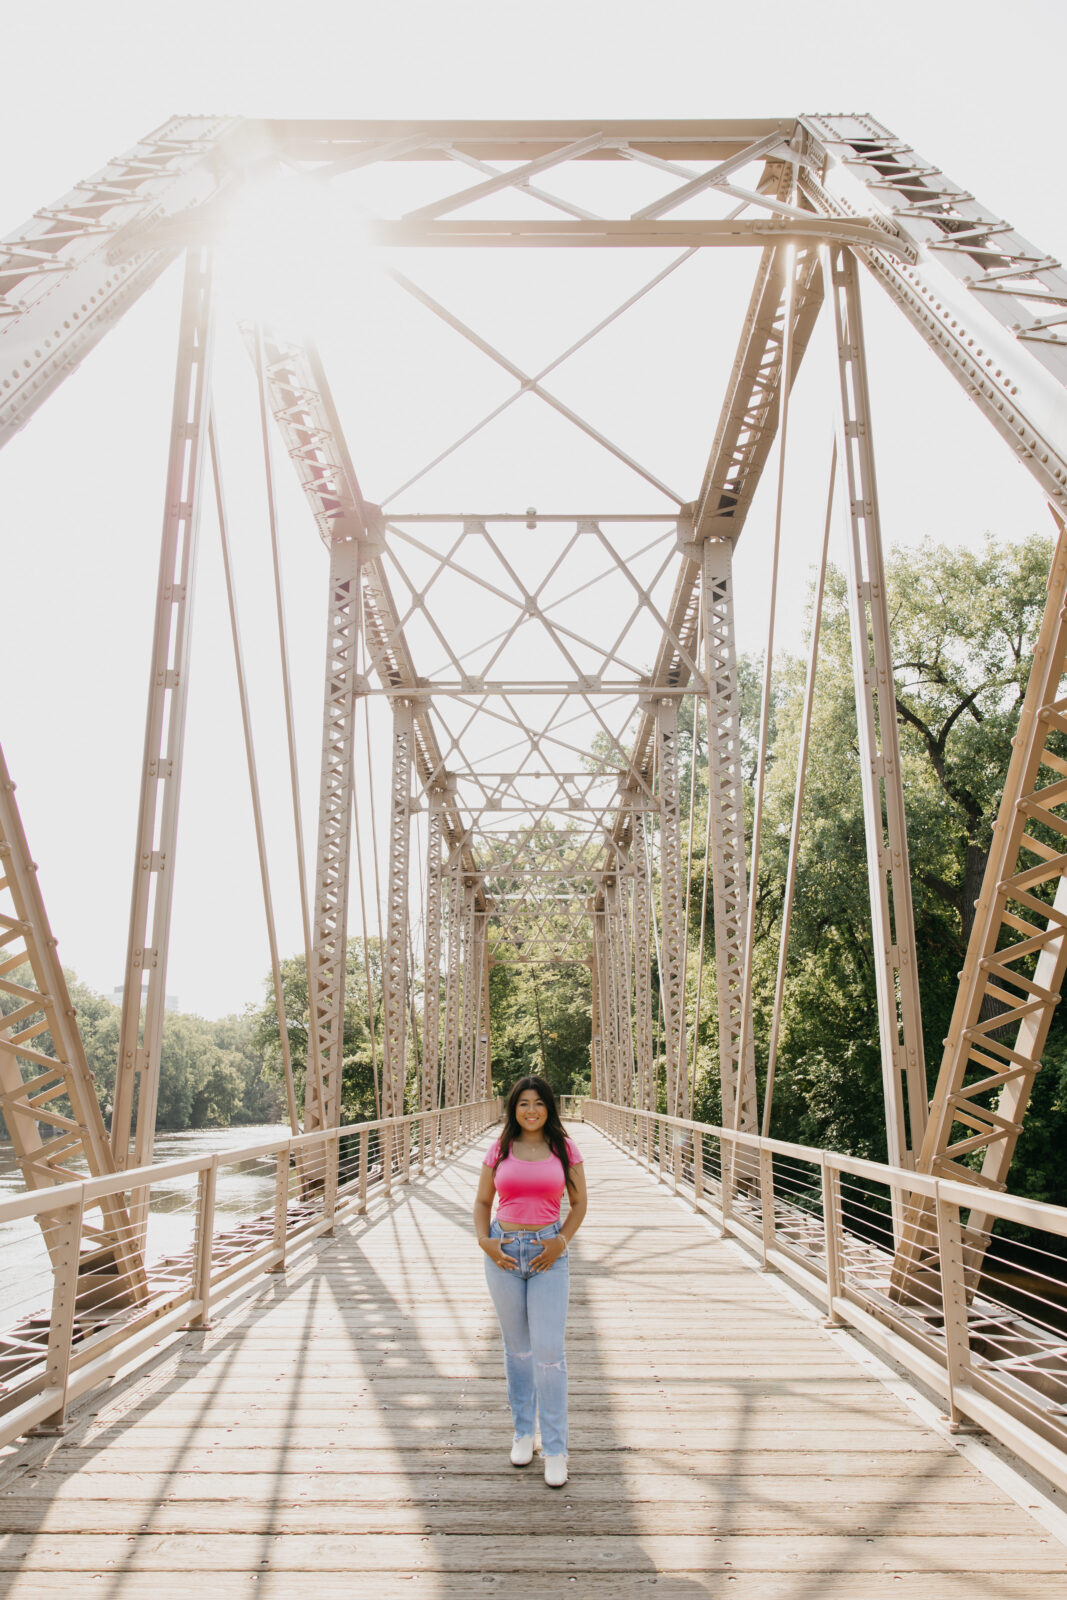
pixel 81 488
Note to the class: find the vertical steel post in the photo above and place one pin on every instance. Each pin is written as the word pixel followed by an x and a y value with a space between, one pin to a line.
pixel 64 1231
pixel 137 1075
pixel 672 908
pixel 623 1090
pixel 396 943
pixel 203 1247
pixel 831 1224
pixel 281 1207
pixel 893 927
pixel 452 981
pixel 737 1067
pixel 953 1303
pixel 606 997
pixel 431 994
pixel 642 919
pixel 596 1058
pixel 483 1077
pixel 326 981
pixel 471 989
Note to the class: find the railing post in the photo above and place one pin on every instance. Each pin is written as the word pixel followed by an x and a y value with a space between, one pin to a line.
pixel 281 1207
pixel 64 1242
pixel 364 1162
pixel 727 1154
pixel 423 1119
pixel 385 1145
pixel 766 1204
pixel 698 1169
pixel 205 1236
pixel 405 1146
pixel 831 1222
pixel 331 1155
pixel 954 1304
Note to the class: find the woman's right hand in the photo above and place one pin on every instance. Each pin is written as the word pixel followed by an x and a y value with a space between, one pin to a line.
pixel 495 1251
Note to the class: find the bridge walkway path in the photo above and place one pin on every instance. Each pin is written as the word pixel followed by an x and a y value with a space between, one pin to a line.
pixel 344 1432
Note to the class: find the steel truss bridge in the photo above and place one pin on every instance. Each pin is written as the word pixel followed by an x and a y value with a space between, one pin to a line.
pixel 535 665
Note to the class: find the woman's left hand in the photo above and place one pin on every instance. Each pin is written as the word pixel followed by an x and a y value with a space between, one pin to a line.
pixel 549 1254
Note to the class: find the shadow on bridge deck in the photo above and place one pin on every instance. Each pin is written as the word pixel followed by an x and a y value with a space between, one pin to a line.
pixel 345 1432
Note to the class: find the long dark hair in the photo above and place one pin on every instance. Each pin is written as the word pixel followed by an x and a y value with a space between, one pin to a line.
pixel 555 1137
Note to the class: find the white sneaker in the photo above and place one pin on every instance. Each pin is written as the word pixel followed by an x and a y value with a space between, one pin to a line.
pixel 522 1451
pixel 555 1471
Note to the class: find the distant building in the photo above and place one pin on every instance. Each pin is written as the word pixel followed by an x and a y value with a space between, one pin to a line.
pixel 170 1004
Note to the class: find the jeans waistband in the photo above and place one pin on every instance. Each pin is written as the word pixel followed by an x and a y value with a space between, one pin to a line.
pixel 527 1228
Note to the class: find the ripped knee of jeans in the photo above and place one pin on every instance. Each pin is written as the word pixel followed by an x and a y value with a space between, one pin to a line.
pixel 521 1355
pixel 553 1366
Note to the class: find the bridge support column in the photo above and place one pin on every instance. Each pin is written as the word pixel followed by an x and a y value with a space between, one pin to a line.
pixel 642 937
pixel 737 1066
pixel 672 908
pixel 452 979
pixel 596 1042
pixel 471 990
pixel 137 1076
pixel 619 964
pixel 396 945
pixel 431 999
pixel 483 1073
pixel 329 951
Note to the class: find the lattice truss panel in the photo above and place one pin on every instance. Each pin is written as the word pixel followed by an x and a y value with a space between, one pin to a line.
pixel 534 659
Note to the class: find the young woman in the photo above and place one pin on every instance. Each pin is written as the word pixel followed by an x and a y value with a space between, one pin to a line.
pixel 527 1267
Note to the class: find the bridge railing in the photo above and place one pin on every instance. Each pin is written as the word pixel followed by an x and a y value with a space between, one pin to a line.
pixel 978 1319
pixel 204 1243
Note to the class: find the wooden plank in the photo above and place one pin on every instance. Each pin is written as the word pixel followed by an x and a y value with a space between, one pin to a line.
pixel 766 1585
pixel 347 1431
pixel 837 1514
pixel 257 1488
pixel 359 1460
pixel 539 1552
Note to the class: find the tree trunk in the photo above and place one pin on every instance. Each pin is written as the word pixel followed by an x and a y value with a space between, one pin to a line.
pixel 973 872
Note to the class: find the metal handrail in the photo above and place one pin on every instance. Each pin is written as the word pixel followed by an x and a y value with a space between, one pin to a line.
pixel 85 1338
pixel 993 1366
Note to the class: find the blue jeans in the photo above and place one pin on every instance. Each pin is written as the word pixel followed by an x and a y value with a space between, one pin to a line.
pixel 532 1311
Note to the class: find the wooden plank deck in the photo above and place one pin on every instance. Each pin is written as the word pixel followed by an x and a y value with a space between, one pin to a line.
pixel 345 1433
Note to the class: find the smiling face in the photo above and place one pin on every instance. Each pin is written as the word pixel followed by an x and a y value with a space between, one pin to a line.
pixel 531 1111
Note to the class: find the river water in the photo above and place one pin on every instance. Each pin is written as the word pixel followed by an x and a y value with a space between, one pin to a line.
pixel 243 1189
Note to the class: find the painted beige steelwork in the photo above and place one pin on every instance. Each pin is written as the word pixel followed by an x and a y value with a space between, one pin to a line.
pixel 535 712
pixel 133 1121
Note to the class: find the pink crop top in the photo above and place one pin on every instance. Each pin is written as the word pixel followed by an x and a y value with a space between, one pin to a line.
pixel 529 1191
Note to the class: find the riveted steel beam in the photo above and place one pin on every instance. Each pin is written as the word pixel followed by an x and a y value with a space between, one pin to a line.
pixel 395 976
pixel 140 1041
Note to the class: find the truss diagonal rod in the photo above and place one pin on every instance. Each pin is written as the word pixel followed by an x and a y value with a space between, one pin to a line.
pixel 530 384
pixel 505 180
pixel 707 180
pixel 523 388
pixel 798 799
pixel 57 1091
pixel 253 781
pixel 888 868
pixel 524 184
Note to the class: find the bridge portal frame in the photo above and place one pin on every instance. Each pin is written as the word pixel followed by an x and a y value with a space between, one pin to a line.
pixel 71 272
